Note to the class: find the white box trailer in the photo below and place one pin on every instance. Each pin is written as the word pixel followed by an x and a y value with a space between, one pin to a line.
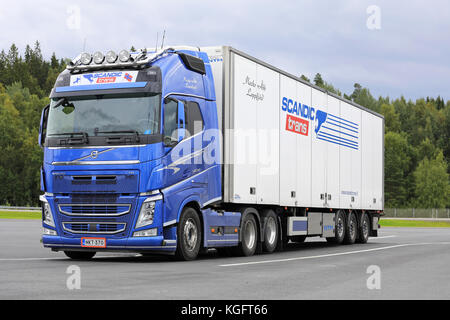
pixel 289 143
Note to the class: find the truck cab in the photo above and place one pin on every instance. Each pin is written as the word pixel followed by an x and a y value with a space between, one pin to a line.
pixel 124 143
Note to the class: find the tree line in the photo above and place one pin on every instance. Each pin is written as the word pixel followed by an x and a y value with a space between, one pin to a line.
pixel 417 134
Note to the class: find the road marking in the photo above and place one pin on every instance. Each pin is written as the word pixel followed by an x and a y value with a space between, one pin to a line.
pixel 331 254
pixel 68 259
pixel 384 237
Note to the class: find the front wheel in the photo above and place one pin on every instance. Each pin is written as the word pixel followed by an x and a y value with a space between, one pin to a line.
pixel 80 255
pixel 189 235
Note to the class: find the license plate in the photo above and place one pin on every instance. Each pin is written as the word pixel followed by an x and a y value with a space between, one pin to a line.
pixel 93 242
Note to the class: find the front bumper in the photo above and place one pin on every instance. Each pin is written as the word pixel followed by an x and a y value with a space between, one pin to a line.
pixel 141 244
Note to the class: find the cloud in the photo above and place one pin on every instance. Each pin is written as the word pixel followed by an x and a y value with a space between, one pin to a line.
pixel 408 55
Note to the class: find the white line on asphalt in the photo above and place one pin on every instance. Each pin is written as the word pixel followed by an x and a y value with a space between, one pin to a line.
pixel 65 258
pixel 331 254
pixel 384 237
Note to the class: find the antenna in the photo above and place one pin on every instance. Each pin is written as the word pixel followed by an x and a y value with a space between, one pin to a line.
pixel 84 45
pixel 156 46
pixel 164 36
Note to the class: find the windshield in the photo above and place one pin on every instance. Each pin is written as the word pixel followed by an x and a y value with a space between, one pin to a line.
pixel 102 115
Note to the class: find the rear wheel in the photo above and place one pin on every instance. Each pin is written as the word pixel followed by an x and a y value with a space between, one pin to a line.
pixel 80 255
pixel 189 235
pixel 363 229
pixel 249 236
pixel 351 230
pixel 339 228
pixel 270 232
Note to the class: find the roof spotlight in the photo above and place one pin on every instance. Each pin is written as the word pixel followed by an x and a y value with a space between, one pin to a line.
pixel 111 57
pixel 86 58
pixel 98 57
pixel 124 56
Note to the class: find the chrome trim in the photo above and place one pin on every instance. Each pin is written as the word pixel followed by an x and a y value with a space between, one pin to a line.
pixel 95 232
pixel 92 156
pixel 71 163
pixel 95 205
pixel 42 198
pixel 211 201
pixel 184 95
pixel 168 223
pixel 99 147
pixel 150 193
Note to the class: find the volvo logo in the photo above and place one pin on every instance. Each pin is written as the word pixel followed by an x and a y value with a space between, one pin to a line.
pixel 94 154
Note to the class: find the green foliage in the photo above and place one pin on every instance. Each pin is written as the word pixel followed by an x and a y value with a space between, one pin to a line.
pixel 432 183
pixel 25 83
pixel 398 159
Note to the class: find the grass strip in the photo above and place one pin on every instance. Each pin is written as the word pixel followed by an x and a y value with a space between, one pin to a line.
pixel 34 215
pixel 414 223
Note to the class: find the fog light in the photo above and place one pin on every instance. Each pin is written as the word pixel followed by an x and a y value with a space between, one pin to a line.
pixel 146 233
pixel 49 232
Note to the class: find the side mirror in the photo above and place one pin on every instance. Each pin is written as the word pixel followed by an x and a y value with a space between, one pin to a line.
pixel 181 122
pixel 43 126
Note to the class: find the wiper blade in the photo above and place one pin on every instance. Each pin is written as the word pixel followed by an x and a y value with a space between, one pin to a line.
pixel 136 134
pixel 72 140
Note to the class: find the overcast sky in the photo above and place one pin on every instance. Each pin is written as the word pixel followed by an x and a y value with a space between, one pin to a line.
pixel 398 48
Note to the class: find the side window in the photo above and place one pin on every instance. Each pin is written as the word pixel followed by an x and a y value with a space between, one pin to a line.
pixel 170 119
pixel 194 119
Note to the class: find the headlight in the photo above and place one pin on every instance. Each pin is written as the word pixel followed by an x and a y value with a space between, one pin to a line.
pixel 47 215
pixel 146 215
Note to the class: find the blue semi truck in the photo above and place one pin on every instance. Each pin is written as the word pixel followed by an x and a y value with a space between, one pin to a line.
pixel 184 149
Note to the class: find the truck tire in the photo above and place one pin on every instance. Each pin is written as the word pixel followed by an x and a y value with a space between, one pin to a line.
pixel 80 255
pixel 189 235
pixel 352 229
pixel 298 239
pixel 340 228
pixel 270 232
pixel 363 228
pixel 248 236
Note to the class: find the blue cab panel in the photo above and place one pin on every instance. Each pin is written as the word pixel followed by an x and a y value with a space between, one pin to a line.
pixel 99 188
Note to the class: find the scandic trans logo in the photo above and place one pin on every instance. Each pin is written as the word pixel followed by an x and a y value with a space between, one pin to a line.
pixel 103 78
pixel 327 127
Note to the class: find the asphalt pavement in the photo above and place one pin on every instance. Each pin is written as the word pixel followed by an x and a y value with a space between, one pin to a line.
pixel 402 263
